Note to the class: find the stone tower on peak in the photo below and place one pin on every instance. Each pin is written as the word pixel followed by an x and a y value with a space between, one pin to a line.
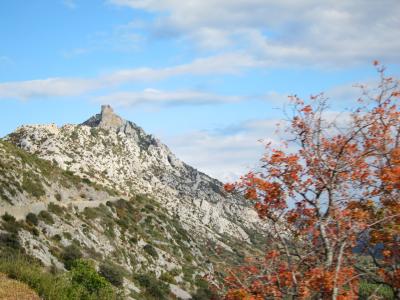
pixel 107 119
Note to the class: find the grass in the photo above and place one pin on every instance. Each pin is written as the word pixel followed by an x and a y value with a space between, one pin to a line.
pixel 11 289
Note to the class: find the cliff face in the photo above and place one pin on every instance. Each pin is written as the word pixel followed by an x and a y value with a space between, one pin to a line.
pixel 94 180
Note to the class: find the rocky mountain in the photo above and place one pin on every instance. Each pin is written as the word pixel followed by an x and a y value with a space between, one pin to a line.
pixel 116 194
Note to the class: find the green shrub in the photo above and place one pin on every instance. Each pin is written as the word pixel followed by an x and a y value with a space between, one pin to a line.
pixel 150 250
pixel 8 218
pixel 203 291
pixel 113 273
pixel 167 277
pixel 10 224
pixel 32 185
pixel 32 219
pixel 46 217
pixel 149 207
pixel 57 237
pixel 58 197
pixel 153 287
pixel 53 286
pixel 83 274
pixel 70 254
pixel 55 209
pixel 67 235
pixel 133 240
pixel 10 241
pixel 34 231
pixel 367 289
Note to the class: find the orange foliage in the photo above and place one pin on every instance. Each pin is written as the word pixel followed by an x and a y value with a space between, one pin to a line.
pixel 339 190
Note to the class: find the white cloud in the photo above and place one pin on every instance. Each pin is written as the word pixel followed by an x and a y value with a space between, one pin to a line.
pixel 287 32
pixel 228 153
pixel 51 87
pixel 231 152
pixel 157 97
pixel 232 63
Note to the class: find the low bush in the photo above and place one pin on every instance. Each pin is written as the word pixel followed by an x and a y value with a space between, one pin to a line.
pixel 10 242
pixel 203 291
pixel 70 254
pixel 8 218
pixel 150 250
pixel 113 273
pixel 9 224
pixel 58 197
pixel 167 277
pixel 66 286
pixel 83 274
pixel 153 287
pixel 32 219
pixel 32 185
pixel 46 217
pixel 55 209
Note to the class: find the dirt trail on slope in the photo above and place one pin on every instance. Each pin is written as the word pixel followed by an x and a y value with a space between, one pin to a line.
pixel 20 212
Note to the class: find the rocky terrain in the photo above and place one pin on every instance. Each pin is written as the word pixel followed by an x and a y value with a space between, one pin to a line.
pixel 110 192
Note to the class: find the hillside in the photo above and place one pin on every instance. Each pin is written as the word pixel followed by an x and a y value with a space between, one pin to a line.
pixel 106 191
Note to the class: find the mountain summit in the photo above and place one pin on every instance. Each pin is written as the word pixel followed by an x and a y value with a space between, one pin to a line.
pixel 107 119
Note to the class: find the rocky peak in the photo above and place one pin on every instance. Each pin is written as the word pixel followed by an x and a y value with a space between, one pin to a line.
pixel 107 119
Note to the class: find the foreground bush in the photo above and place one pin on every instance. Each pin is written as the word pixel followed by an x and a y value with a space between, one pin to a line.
pixel 66 286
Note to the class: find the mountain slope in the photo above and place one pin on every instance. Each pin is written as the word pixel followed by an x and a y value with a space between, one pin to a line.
pixel 120 155
pixel 111 193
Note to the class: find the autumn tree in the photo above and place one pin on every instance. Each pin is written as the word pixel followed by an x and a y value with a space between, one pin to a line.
pixel 332 202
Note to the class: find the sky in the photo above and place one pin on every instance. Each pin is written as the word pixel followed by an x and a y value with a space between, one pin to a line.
pixel 209 78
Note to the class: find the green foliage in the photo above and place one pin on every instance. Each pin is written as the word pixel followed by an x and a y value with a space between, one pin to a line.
pixel 113 273
pixel 8 218
pixel 67 235
pixel 55 286
pixel 70 254
pixel 83 274
pixel 167 277
pixel 203 291
pixel 55 209
pixel 32 185
pixel 9 242
pixel 32 219
pixel 57 237
pixel 367 289
pixel 9 224
pixel 46 217
pixel 150 250
pixel 58 197
pixel 154 288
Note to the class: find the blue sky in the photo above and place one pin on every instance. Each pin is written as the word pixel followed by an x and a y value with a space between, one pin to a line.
pixel 208 77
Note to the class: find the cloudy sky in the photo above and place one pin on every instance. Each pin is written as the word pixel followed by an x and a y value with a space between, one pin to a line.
pixel 208 77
